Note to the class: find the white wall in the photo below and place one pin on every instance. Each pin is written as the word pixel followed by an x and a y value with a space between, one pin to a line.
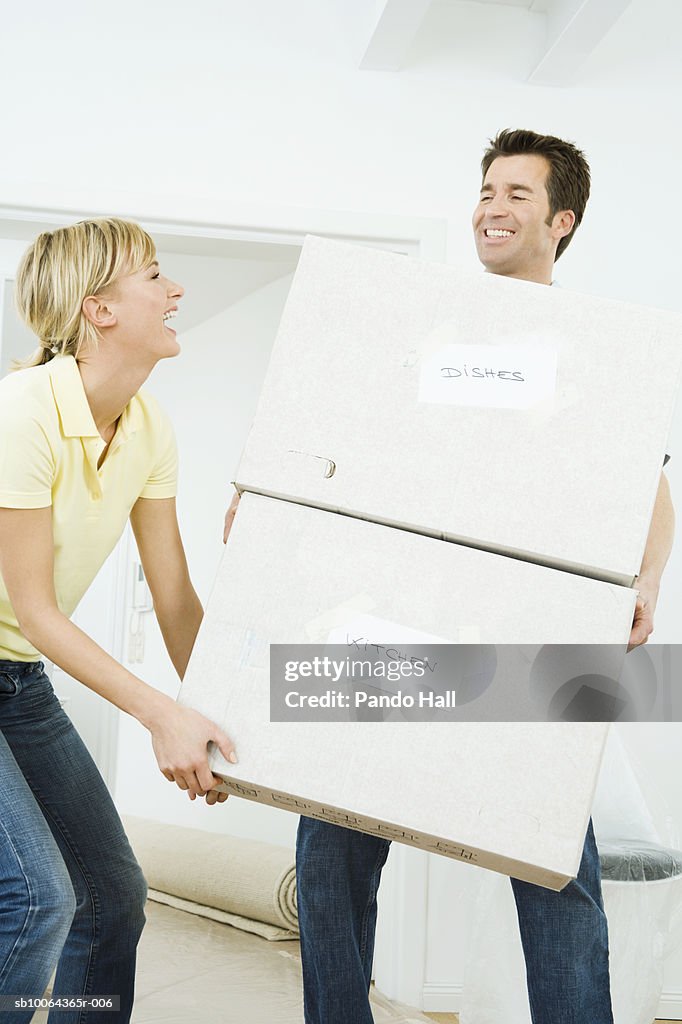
pixel 10 254
pixel 262 102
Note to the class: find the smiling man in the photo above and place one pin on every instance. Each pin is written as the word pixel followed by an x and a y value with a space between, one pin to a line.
pixel 534 192
pixel 531 202
pixel 533 196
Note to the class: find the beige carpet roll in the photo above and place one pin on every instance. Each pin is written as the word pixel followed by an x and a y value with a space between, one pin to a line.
pixel 248 884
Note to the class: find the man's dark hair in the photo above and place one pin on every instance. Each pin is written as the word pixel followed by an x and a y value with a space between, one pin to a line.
pixel 568 178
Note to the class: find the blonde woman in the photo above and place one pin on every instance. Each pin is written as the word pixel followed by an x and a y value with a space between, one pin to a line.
pixel 82 449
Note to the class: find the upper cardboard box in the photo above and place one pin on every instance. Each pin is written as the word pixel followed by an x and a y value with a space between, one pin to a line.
pixel 493 412
pixel 511 796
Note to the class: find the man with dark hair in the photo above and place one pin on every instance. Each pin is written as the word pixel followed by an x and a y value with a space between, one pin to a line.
pixel 561 165
pixel 533 196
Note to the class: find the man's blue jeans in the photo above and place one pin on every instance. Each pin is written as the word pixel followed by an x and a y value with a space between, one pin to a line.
pixel 564 933
pixel 71 891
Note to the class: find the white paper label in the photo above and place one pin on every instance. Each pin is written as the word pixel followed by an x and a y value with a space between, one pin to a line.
pixel 488 376
pixel 362 630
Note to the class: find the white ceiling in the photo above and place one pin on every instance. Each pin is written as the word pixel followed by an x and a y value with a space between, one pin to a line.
pixel 546 41
pixel 538 5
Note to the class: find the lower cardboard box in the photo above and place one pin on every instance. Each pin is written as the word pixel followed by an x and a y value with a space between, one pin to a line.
pixel 511 796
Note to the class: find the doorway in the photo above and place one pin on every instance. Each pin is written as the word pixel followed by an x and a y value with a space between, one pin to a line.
pixel 236 277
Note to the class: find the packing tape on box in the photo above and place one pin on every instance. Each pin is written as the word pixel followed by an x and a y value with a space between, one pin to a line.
pixel 317 630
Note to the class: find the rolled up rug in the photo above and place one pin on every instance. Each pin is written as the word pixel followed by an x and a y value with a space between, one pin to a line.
pixel 248 884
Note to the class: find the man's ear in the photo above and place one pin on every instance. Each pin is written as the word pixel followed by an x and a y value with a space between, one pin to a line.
pixel 96 310
pixel 562 223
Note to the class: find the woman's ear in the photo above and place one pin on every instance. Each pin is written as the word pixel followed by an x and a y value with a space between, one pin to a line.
pixel 97 312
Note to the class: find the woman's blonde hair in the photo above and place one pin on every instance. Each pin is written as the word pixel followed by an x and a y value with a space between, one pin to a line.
pixel 62 267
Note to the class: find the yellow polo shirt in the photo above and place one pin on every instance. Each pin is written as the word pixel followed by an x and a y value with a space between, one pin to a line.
pixel 49 449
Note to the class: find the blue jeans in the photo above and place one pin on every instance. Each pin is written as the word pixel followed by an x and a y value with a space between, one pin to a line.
pixel 71 891
pixel 564 933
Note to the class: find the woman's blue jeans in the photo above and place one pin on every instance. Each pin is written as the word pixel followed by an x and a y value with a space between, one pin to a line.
pixel 71 892
pixel 564 933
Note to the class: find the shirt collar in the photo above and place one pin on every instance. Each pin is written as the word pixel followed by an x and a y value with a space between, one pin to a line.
pixel 69 395
pixel 72 403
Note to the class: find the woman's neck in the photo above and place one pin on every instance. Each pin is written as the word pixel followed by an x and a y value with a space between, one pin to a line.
pixel 108 390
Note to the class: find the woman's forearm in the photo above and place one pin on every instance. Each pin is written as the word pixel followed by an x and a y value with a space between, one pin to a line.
pixel 180 735
pixel 179 617
pixel 63 643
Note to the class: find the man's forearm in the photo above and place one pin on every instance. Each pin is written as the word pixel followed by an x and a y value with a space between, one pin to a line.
pixel 660 540
pixel 656 553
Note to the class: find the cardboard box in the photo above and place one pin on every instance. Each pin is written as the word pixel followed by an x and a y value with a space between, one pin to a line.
pixel 508 796
pixel 498 413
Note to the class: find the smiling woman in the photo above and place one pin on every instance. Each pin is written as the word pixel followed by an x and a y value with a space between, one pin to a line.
pixel 123 288
pixel 82 448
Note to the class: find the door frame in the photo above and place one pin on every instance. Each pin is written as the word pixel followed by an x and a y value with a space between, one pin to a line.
pixel 223 228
